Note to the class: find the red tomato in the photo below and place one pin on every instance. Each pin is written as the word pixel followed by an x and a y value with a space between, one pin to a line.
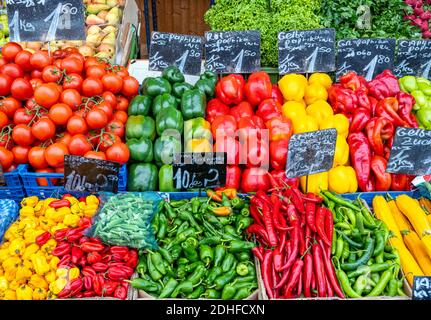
pixel 75 54
pixel 95 155
pixel 3 120
pixel 36 158
pixel 96 119
pixel 35 83
pixel 122 103
pixel 73 81
pixel 106 107
pixel 22 135
pixel 110 98
pixel 10 50
pixel 96 71
pixel 116 127
pixel 64 138
pixel 12 70
pixel 5 83
pixel 121 116
pixel 91 61
pixel 130 87
pixel 51 74
pixel 76 125
pixel 23 60
pixel 6 158
pixel 31 104
pixel 22 116
pixel 47 95
pixel 112 82
pixel 36 74
pixel 20 154
pixel 72 98
pixel 43 129
pixel 92 87
pixel 21 89
pixel 40 60
pixel 2 62
pixel 121 71
pixel 108 140
pixel 79 145
pixel 72 65
pixel 223 126
pixel 118 152
pixel 54 154
pixel 59 54
pixel 59 113
pixel 57 63
pixel 9 105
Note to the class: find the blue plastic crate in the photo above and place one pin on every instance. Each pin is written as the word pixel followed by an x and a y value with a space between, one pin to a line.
pixel 14 188
pixel 369 196
pixel 29 179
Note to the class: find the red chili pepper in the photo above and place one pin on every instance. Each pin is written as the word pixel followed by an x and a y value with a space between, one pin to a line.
pixel 77 253
pixel 296 198
pixel 88 282
pixel 100 266
pixel 43 238
pixel 60 235
pixel 92 246
pixel 299 286
pixel 308 274
pixel 295 246
pixel 88 271
pixel 388 108
pixel 255 214
pixel 329 225
pixel 278 259
pixel 95 240
pixel 267 272
pixel 330 292
pixel 308 236
pixel 301 237
pixel 330 270
pixel 319 270
pixel 359 120
pixel 106 258
pixel 88 294
pixel 267 218
pixel 60 204
pixel 320 225
pixel 98 282
pixel 277 218
pixel 120 293
pixel 65 261
pixel 73 235
pixel 257 253
pixel 259 231
pixel 66 195
pixel 131 258
pixel 61 249
pixel 383 178
pixel 83 239
pixel 93 257
pixel 379 129
pixel 310 212
pixel 119 273
pixel 275 279
pixel 294 278
pixel 119 250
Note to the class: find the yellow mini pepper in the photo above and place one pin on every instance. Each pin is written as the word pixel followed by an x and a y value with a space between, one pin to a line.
pixel 38 281
pixel 40 264
pixel 39 294
pixel 24 292
pixel 30 201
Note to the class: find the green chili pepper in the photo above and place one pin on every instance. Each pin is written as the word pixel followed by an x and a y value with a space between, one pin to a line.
pixel 242 293
pixel 228 262
pixel 214 240
pixel 389 256
pixel 213 220
pixel 157 261
pixel 368 218
pixel 197 293
pixel 190 252
pixel 212 294
pixel 168 268
pixel 393 288
pixel 340 201
pixel 187 216
pixel 243 256
pixel 192 266
pixel 228 292
pixel 237 203
pixel 176 251
pixel 352 257
pixel 380 243
pixel 381 285
pixel 181 237
pixel 169 288
pixel 229 230
pixel 334 243
pixel 346 250
pixel 141 268
pixel 163 226
pixel 243 223
pixel 369 248
pixel 197 275
pixel 192 242
pixel 183 260
pixel 224 220
pixel 219 253
pixel 184 226
pixel 145 284
pixel 224 279
pixel 354 244
pixel 375 277
pixel 245 212
pixel 181 271
pixel 360 284
pixel 166 255
pixel 345 284
pixel 184 287
pixel 206 254
pixel 155 223
pixel 195 205
pixel 245 279
pixel 242 269
pixel 213 274
pixel 178 203
pixel 239 245
pixel 169 211
pixel 153 271
pixel 379 258
pixel 339 250
pixel 360 222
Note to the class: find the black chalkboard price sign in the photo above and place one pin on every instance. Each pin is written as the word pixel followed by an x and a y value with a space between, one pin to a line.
pixel 413 58
pixel 411 152
pixel 421 288
pixel 184 51
pixel 311 152
pixel 306 51
pixel 90 175
pixel 367 57
pixel 232 51
pixel 42 20
pixel 199 170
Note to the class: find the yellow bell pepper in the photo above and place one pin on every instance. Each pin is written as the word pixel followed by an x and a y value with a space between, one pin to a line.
pixel 26 211
pixel 71 220
pixel 10 274
pixel 339 122
pixel 315 92
pixel 29 201
pixel 73 273
pixel 320 78
pixel 40 264
pixel 305 124
pixel 58 216
pixel 57 285
pixel 13 284
pixel 292 86
pixel 30 235
pixel 4 254
pixel 38 281
pixel 9 295
pixel 293 110
pixel 45 223
pixel 4 284
pixel 198 145
pixel 76 208
pixel 320 110
pixel 62 273
pixel 24 292
pixel 30 222
pixel 53 263
pixel 39 294
pixel 13 232
pixel 50 276
pixel 11 263
pixel 48 246
pixel 23 273
pixel 17 247
pixel 30 250
pixel 72 200
pixel 342 179
pixel 39 209
pixel 49 213
pixel 92 199
pixel 341 156
pixel 90 210
pixel 316 182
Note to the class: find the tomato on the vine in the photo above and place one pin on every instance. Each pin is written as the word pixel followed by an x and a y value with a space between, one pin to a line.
pixel 22 116
pixel 118 152
pixel 36 158
pixel 116 127
pixel 122 103
pixel 121 71
pixel 92 87
pixel 20 154
pixel 95 155
pixel 12 70
pixel 35 83
pixel 10 50
pixel 107 140
pixel 130 86
pixel 21 89
pixel 105 107
pixel 5 83
pixel 36 74
pixel 110 98
pixel 54 154
pixel 96 119
pixel 76 125
pixel 51 74
pixel 47 94
pixel 6 158
pixel 79 145
pixel 96 71
pixel 23 60
pixel 73 81
pixel 43 129
pixel 121 116
pixel 72 65
pixel 59 113
pixel 112 82
pixel 40 60
pixel 72 98
pixel 9 105
pixel 22 135
pixel 4 121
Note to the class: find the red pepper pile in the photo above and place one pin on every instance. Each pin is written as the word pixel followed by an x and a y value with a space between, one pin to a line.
pixel 375 109
pixel 297 233
pixel 237 115
pixel 104 269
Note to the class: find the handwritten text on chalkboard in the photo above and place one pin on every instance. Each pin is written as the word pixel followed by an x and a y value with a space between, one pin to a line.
pixel 411 152
pixel 311 152
pixel 421 288
pixel 306 51
pixel 413 58
pixel 184 51
pixel 232 51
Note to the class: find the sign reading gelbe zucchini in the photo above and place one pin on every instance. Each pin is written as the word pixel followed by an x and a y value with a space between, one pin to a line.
pixel 44 20
pixel 311 152
pixel 90 175
pixel 199 170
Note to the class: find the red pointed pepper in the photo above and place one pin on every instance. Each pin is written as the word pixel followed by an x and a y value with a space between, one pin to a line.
pixel 383 178
pixel 43 238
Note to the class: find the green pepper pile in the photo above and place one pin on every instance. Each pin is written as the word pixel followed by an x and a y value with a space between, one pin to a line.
pixel 165 103
pixel 366 263
pixel 200 255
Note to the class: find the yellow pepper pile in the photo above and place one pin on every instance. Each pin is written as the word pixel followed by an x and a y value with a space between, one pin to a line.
pixel 27 271
pixel 307 108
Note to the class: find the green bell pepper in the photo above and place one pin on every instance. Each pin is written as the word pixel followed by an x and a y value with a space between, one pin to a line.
pixel 173 74
pixel 170 118
pixel 193 103
pixel 164 149
pixel 155 86
pixel 179 88
pixel 163 101
pixel 141 150
pixel 424 118
pixel 140 106
pixel 420 98
pixel 197 128
pixel 206 86
pixel 210 75
pixel 142 177
pixel 424 85
pixel 140 127
pixel 166 182
pixel 408 83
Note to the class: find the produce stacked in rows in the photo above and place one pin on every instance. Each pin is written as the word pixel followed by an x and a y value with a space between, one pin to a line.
pixel 411 232
pixel 61 104
pixel 202 252
pixel 366 262
pixel 307 107
pixel 420 89
pixel 295 234
pixel 28 268
pixel 375 109
pixel 176 108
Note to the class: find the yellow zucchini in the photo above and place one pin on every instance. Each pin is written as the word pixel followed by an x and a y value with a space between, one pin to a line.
pixel 383 212
pixel 408 263
pixel 418 250
pixel 401 221
pixel 412 210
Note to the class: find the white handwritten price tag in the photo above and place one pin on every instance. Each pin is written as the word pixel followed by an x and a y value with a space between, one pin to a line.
pixel 413 58
pixel 421 288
